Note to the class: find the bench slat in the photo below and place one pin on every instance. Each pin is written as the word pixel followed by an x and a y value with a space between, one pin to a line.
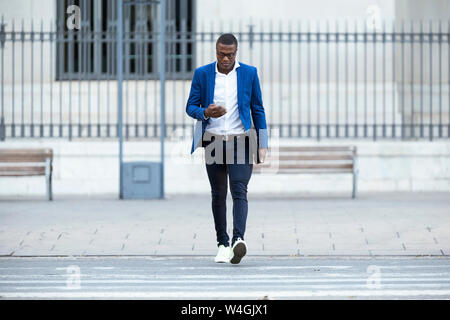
pixel 311 166
pixel 317 148
pixel 22 151
pixel 24 158
pixel 25 155
pixel 314 157
pixel 30 169
pixel 20 174
pixel 299 171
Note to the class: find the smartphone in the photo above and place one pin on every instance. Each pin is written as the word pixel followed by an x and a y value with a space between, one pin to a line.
pixel 220 103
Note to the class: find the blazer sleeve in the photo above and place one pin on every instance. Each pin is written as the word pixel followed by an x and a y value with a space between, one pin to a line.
pixel 258 114
pixel 193 108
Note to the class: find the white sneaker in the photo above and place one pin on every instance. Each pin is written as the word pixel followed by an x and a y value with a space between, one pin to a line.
pixel 238 251
pixel 223 255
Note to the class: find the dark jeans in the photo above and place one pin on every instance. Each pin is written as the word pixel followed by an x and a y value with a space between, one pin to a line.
pixel 239 174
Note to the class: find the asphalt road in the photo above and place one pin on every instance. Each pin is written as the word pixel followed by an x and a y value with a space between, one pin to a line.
pixel 194 277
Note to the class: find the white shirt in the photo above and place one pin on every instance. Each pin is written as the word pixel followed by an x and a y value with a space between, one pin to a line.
pixel 225 90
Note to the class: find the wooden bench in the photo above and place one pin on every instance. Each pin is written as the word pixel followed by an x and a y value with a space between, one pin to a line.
pixel 311 159
pixel 28 162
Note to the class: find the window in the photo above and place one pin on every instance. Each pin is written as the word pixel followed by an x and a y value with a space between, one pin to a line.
pixel 90 52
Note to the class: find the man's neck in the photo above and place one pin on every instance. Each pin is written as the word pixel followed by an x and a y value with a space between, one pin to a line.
pixel 225 71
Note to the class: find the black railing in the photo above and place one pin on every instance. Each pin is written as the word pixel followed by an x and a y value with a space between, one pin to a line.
pixel 319 80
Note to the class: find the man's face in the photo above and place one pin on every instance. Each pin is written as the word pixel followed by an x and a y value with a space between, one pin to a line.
pixel 226 54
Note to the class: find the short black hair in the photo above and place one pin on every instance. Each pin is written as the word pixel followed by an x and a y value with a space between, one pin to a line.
pixel 227 39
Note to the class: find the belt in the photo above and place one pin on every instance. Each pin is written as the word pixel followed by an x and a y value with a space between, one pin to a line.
pixel 226 137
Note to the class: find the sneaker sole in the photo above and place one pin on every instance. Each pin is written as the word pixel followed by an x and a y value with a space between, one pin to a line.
pixel 239 251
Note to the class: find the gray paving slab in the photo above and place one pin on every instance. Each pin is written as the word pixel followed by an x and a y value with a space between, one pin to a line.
pixel 372 224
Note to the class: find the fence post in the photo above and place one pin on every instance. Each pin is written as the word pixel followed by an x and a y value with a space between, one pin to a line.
pixel 2 120
pixel 119 48
pixel 162 77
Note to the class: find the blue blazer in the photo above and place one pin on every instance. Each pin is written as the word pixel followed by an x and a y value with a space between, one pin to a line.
pixel 250 103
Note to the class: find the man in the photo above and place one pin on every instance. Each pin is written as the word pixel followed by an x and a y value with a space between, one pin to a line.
pixel 225 97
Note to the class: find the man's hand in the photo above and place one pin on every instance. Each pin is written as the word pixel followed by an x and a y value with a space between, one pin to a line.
pixel 262 154
pixel 214 111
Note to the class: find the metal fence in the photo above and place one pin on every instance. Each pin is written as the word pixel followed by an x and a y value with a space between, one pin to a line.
pixel 319 79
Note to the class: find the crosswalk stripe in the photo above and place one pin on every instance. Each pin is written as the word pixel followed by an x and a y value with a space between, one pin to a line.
pixel 439 280
pixel 227 294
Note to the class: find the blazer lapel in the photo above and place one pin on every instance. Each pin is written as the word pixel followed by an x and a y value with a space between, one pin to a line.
pixel 211 83
pixel 240 83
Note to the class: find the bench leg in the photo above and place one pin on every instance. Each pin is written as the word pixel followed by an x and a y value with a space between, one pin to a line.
pixel 49 188
pixel 48 177
pixel 355 178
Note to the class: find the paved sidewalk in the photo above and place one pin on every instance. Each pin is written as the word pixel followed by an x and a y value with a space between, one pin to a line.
pixel 307 225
